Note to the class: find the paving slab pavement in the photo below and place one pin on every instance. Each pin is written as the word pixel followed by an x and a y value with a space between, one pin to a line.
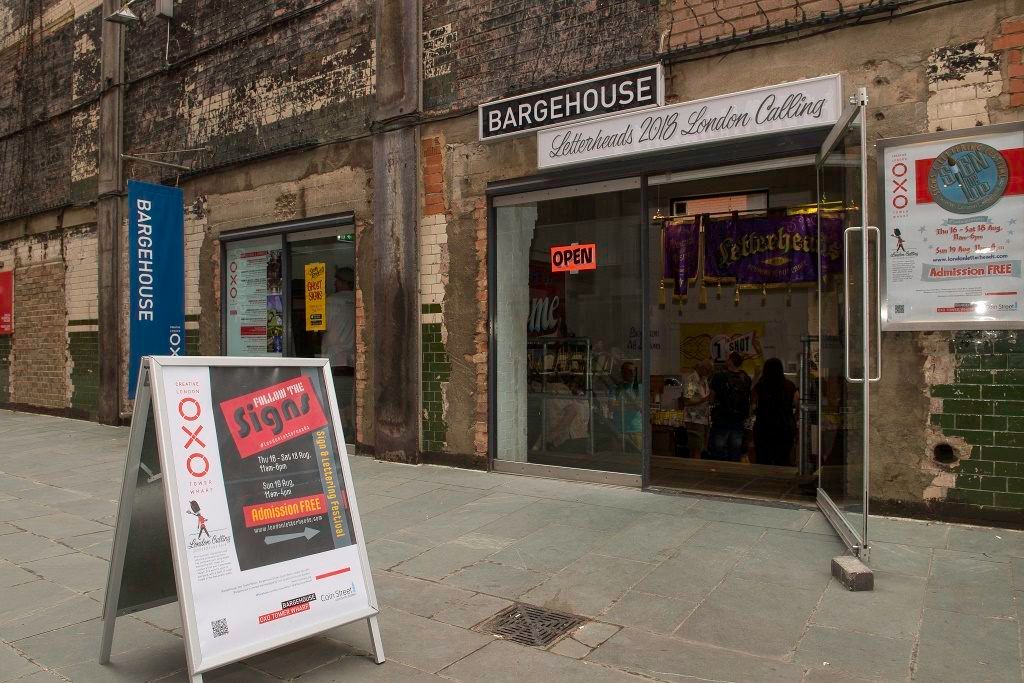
pixel 675 588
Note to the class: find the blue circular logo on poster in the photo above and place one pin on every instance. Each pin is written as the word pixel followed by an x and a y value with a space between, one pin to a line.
pixel 968 177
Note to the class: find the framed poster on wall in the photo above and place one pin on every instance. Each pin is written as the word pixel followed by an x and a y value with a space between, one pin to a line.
pixel 951 239
pixel 254 316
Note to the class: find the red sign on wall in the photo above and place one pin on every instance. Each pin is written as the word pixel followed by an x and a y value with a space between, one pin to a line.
pixel 574 257
pixel 7 302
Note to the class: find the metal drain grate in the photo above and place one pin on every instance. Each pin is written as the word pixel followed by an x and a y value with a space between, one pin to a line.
pixel 530 625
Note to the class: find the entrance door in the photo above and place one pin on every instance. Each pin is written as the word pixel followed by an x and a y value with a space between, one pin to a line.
pixel 847 320
pixel 321 309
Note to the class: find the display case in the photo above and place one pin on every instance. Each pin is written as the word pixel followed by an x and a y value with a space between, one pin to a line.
pixel 567 362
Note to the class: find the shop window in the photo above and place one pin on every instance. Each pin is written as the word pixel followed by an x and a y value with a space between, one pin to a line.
pixel 571 384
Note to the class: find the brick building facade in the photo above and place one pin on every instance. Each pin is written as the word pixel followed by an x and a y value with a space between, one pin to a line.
pixel 271 103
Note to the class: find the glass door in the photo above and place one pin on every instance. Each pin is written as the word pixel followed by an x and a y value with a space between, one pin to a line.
pixel 322 308
pixel 847 320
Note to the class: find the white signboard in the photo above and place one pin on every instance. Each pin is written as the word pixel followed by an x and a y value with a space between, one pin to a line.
pixel 264 530
pixel 954 206
pixel 779 108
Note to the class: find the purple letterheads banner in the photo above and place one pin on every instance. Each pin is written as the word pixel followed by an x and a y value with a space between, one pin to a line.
pixel 771 250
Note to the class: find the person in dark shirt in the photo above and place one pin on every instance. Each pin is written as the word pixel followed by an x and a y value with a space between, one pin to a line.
pixel 730 408
pixel 775 400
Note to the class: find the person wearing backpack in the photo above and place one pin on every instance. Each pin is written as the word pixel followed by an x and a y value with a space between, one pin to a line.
pixel 730 408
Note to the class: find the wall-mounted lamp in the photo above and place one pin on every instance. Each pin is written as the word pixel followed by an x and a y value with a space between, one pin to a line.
pixel 125 16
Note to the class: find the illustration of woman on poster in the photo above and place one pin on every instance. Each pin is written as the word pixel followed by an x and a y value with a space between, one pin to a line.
pixel 200 520
pixel 899 240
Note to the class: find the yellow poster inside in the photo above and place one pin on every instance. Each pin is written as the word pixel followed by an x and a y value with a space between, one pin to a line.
pixel 715 341
pixel 316 297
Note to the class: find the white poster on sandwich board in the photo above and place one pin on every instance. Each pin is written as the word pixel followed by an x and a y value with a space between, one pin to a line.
pixel 264 529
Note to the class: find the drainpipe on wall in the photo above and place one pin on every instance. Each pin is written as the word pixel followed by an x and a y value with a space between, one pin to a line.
pixel 393 334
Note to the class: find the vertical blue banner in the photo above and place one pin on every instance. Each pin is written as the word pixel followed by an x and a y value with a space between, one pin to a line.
pixel 156 256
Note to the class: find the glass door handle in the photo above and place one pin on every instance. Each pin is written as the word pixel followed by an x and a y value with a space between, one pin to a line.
pixel 846 304
pixel 877 309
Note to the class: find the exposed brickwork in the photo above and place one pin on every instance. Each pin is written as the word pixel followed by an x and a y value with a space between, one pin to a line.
pixel 49 66
pixel 694 22
pixel 478 50
pixel 435 363
pixel 39 346
pixel 961 79
pixel 274 76
pixel 481 333
pixel 982 411
pixel 243 79
pixel 1011 43
pixel 81 297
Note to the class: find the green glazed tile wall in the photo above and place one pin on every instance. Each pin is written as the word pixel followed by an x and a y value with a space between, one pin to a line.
pixel 985 407
pixel 437 370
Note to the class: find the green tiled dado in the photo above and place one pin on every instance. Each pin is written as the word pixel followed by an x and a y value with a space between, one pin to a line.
pixel 437 371
pixel 85 371
pixel 985 407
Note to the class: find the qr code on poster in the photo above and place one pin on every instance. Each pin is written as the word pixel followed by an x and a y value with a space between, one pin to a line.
pixel 220 627
pixel 900 309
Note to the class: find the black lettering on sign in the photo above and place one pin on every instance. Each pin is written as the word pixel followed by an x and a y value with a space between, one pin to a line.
pixel 573 257
pixel 626 91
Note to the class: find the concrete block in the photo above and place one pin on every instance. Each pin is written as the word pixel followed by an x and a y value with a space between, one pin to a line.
pixel 853 573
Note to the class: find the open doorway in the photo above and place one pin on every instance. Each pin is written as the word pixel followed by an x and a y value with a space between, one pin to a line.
pixel 733 318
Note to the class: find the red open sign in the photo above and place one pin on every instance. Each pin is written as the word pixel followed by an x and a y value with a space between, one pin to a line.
pixel 574 257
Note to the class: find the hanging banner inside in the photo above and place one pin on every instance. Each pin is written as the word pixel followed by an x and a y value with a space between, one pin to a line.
pixel 156 257
pixel 679 253
pixel 255 305
pixel 811 103
pixel 954 206
pixel 6 302
pixel 751 251
pixel 316 297
pixel 263 523
pixel 771 251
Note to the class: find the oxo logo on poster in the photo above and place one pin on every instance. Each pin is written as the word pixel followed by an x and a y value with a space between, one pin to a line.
pixel 272 415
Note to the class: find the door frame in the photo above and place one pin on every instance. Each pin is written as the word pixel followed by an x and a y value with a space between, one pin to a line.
pixel 856 540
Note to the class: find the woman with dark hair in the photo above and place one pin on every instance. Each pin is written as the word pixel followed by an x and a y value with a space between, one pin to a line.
pixel 775 401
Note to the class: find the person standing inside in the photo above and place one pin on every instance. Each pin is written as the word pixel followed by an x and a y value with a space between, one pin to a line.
pixel 730 408
pixel 775 401
pixel 696 405
pixel 630 408
pixel 340 344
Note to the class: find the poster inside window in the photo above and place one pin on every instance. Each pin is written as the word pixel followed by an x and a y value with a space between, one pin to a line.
pixel 954 206
pixel 255 303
